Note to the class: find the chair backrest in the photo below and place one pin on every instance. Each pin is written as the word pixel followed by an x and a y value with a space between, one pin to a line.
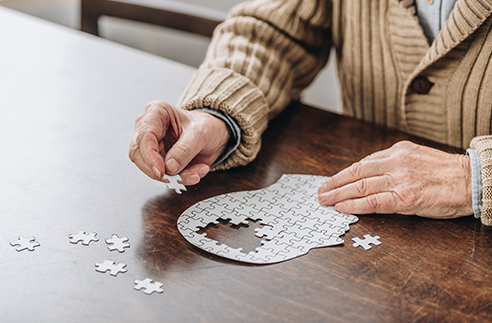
pixel 171 14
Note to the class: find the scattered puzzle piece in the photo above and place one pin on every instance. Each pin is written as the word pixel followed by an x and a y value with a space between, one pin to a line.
pixel 25 243
pixel 364 243
pixel 83 237
pixel 117 243
pixel 148 285
pixel 174 183
pixel 113 267
pixel 293 220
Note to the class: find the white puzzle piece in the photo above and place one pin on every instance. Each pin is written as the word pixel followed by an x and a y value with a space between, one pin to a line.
pixel 85 237
pixel 117 243
pixel 174 183
pixel 111 266
pixel 294 221
pixel 23 243
pixel 366 242
pixel 148 285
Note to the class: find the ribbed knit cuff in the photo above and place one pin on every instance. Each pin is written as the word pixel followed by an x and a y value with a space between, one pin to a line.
pixel 227 91
pixel 234 130
pixel 477 189
pixel 483 145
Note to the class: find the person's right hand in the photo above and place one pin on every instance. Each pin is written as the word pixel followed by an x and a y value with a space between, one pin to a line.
pixel 176 141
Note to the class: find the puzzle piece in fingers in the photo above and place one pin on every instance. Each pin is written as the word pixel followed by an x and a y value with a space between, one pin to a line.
pixel 23 243
pixel 365 243
pixel 174 183
pixel 148 285
pixel 82 236
pixel 293 220
pixel 111 266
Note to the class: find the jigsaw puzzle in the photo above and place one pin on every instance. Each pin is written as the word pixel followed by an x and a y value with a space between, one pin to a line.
pixel 294 221
pixel 149 286
pixel 111 266
pixel 365 243
pixel 23 243
pixel 117 243
pixel 83 237
pixel 174 183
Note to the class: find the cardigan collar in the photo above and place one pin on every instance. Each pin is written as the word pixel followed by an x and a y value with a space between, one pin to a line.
pixel 466 17
pixel 412 50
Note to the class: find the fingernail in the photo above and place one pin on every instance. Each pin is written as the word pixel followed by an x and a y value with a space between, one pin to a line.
pixel 172 165
pixel 340 207
pixel 156 171
pixel 323 198
pixel 193 179
pixel 203 171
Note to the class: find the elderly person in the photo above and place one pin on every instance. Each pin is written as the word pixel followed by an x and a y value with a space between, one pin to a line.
pixel 420 66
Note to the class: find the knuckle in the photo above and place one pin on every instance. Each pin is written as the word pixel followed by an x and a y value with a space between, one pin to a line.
pixel 373 202
pixel 361 186
pixel 355 169
pixel 404 144
pixel 133 151
pixel 131 155
pixel 137 138
pixel 389 181
pixel 332 182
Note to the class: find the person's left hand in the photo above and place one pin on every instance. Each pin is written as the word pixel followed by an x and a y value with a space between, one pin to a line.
pixel 407 179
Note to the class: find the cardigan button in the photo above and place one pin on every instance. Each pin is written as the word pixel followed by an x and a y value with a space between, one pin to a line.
pixel 421 85
pixel 429 1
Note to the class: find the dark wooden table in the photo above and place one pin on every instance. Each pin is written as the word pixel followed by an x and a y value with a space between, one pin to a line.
pixel 66 118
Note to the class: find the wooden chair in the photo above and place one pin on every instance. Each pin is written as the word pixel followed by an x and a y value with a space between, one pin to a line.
pixel 171 14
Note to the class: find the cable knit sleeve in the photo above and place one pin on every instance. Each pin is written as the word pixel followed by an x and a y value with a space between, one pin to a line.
pixel 260 58
pixel 483 145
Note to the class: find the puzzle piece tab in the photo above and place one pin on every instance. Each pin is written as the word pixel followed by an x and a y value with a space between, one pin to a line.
pixel 364 243
pixel 113 267
pixel 82 236
pixel 174 183
pixel 23 243
pixel 148 285
pixel 117 243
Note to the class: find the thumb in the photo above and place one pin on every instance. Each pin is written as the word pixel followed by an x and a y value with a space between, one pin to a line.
pixel 182 153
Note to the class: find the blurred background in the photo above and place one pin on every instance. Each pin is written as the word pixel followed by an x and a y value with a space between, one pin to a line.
pixel 176 45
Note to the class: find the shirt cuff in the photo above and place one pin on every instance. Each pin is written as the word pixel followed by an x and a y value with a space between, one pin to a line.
pixel 477 188
pixel 234 130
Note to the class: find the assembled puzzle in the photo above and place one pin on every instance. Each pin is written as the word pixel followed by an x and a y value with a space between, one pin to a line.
pixel 294 221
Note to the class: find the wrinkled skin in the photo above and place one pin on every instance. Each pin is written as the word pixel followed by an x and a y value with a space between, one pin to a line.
pixel 406 179
pixel 168 140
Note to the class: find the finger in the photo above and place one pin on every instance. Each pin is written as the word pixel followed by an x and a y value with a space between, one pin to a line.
pixel 192 175
pixel 150 152
pixel 355 172
pixel 386 202
pixel 360 188
pixel 139 161
pixel 183 152
pixel 150 127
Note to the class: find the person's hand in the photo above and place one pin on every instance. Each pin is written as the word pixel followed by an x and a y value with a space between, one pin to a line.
pixel 405 179
pixel 175 141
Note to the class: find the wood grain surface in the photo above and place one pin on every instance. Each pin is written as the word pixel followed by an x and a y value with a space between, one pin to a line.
pixel 68 103
pixel 424 270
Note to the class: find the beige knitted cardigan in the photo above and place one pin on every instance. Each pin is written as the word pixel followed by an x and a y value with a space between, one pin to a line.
pixel 268 51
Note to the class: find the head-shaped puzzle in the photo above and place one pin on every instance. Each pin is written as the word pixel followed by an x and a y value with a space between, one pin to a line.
pixel 294 221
